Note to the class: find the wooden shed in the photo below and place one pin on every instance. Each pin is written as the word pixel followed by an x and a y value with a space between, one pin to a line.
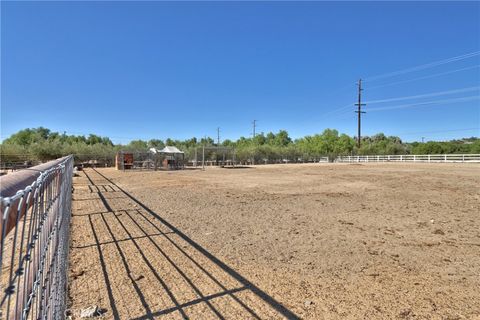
pixel 123 160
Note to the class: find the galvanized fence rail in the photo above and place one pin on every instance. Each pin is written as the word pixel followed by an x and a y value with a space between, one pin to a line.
pixel 35 223
pixel 412 158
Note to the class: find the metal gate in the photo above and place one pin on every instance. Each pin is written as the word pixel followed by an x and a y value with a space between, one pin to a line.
pixel 35 227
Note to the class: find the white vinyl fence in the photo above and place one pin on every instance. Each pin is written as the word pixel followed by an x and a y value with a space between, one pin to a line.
pixel 412 158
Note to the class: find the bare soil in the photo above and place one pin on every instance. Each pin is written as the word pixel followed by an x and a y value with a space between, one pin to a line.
pixel 316 241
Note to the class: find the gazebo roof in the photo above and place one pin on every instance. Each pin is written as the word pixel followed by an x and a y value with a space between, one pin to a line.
pixel 170 150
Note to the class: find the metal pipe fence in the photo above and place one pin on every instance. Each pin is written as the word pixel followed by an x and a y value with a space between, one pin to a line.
pixel 16 165
pixel 412 158
pixel 35 223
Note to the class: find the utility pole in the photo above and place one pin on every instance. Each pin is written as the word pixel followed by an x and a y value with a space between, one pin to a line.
pixel 254 127
pixel 218 144
pixel 203 153
pixel 359 111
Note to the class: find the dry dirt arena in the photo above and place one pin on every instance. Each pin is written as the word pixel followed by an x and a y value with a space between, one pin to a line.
pixel 313 241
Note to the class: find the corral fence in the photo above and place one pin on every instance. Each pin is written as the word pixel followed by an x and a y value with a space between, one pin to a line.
pixel 212 156
pixel 412 158
pixel 149 160
pixel 16 165
pixel 35 223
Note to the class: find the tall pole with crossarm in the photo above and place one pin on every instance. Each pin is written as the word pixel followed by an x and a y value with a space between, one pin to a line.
pixel 359 112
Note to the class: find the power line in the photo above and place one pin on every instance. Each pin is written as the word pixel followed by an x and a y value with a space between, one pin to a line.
pixel 254 127
pixel 345 109
pixel 425 77
pixel 402 106
pixel 426 103
pixel 426 95
pixel 335 110
pixel 423 66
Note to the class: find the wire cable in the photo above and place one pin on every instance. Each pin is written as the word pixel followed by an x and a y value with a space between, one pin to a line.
pixel 402 106
pixel 425 77
pixel 422 67
pixel 433 94
pixel 336 110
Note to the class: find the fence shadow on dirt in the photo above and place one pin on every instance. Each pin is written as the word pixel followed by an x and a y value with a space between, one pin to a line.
pixel 148 268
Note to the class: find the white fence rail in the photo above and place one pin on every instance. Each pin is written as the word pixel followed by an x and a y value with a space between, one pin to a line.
pixel 412 158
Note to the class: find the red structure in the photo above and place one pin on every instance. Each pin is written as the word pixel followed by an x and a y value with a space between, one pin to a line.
pixel 123 160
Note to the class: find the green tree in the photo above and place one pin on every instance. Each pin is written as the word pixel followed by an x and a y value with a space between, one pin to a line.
pixel 156 143
pixel 137 145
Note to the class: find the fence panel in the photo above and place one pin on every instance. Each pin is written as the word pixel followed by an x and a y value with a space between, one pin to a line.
pixel 35 223
pixel 412 158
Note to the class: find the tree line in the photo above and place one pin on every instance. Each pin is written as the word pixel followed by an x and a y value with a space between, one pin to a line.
pixel 41 144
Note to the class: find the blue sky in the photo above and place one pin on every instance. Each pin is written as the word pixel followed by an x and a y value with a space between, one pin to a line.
pixel 162 69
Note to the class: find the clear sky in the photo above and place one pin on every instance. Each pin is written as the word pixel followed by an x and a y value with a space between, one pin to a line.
pixel 145 70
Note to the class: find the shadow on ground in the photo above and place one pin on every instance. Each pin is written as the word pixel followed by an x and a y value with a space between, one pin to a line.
pixel 131 261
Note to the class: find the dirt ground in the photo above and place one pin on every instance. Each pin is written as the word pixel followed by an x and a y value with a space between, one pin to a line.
pixel 313 241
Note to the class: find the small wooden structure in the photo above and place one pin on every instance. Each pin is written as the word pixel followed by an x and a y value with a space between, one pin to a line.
pixel 123 160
